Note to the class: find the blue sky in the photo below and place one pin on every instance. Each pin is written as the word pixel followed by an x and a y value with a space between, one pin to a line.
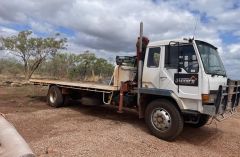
pixel 108 27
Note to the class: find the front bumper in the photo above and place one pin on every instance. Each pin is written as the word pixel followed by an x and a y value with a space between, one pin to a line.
pixel 226 102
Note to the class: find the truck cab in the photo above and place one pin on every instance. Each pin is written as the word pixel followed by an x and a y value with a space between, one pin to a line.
pixel 191 69
pixel 182 81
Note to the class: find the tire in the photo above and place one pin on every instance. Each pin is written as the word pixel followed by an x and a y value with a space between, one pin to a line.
pixel 170 124
pixel 55 97
pixel 203 119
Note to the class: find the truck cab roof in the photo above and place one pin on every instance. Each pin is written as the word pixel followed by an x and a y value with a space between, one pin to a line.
pixel 166 42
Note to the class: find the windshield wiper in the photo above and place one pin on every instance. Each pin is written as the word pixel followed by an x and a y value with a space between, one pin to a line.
pixel 216 72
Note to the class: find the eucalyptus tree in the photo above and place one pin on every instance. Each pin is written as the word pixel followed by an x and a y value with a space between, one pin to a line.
pixel 32 50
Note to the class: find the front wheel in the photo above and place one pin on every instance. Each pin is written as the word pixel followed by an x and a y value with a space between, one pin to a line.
pixel 164 119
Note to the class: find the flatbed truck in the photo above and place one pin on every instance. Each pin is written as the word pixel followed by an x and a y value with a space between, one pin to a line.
pixel 169 83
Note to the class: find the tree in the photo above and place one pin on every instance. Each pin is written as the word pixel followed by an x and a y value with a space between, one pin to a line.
pixel 84 66
pixel 88 60
pixel 32 50
pixel 60 64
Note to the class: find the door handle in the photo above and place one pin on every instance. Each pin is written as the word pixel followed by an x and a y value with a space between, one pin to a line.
pixel 163 77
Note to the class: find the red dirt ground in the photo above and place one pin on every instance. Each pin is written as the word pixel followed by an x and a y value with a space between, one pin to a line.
pixel 79 130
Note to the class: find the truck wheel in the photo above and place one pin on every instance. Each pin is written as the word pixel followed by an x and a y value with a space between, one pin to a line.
pixel 203 119
pixel 55 97
pixel 163 119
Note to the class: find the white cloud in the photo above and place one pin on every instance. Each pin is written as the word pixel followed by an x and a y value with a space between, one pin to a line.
pixel 115 26
pixel 41 27
pixel 111 27
pixel 4 31
pixel 234 48
pixel 237 33
pixel 223 14
pixel 107 25
pixel 231 57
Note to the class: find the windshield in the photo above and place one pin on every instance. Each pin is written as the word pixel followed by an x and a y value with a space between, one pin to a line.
pixel 211 61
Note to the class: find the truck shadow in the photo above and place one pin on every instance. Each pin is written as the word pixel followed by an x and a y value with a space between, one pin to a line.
pixel 195 136
pixel 109 112
pixel 38 98
pixel 200 136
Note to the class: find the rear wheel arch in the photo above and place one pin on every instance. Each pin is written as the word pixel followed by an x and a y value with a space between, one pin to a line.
pixel 50 85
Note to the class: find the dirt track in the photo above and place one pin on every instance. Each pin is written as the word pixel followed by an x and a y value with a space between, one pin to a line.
pixel 99 131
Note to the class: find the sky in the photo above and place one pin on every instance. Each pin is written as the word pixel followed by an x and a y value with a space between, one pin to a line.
pixel 110 27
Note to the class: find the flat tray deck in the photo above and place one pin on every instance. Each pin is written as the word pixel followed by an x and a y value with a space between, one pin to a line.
pixel 76 85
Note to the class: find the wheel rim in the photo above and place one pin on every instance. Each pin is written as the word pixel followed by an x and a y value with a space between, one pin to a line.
pixel 53 96
pixel 161 119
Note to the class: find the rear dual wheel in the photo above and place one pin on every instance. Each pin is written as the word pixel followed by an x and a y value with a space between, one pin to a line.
pixel 55 97
pixel 164 119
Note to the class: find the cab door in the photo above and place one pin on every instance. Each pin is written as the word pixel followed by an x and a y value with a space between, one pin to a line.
pixel 180 71
pixel 151 68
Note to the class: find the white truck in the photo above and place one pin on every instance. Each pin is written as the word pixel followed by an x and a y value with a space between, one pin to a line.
pixel 173 82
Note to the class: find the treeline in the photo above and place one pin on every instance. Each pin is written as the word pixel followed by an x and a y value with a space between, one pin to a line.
pixel 85 66
pixel 42 56
pixel 11 66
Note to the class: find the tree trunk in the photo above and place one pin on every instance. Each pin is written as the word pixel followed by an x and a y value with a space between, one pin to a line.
pixel 28 76
pixel 93 75
pixel 26 70
pixel 33 68
pixel 30 69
